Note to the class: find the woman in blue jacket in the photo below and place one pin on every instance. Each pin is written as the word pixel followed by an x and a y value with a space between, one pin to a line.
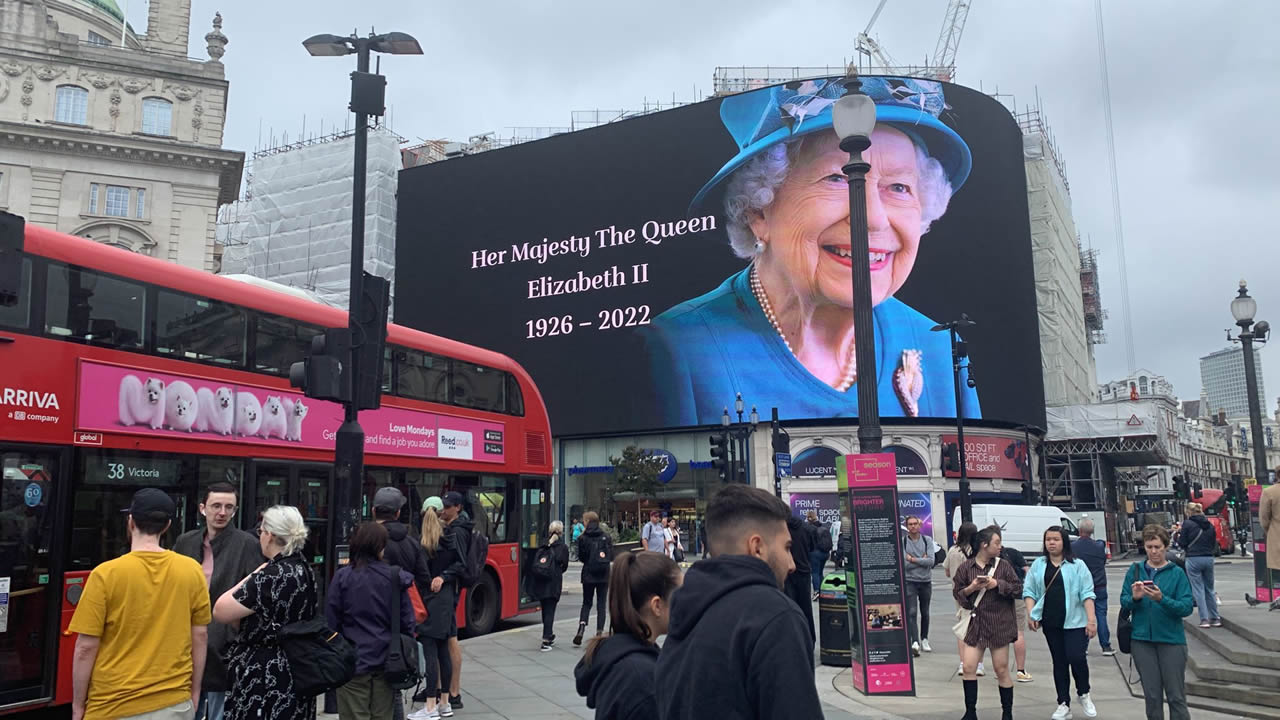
pixel 1058 591
pixel 1158 594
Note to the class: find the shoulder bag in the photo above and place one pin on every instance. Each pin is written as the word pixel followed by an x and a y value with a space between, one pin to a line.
pixel 1124 626
pixel 320 659
pixel 964 617
pixel 401 667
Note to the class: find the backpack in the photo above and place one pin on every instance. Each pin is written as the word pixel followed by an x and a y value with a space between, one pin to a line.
pixel 477 554
pixel 400 669
pixel 597 560
pixel 544 563
pixel 319 659
pixel 824 537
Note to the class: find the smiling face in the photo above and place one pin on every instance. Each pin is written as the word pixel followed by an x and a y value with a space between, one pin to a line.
pixel 806 228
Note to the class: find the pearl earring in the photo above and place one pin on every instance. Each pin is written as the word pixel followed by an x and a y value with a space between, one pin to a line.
pixel 759 246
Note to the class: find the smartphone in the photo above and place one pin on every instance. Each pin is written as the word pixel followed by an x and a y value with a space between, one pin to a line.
pixel 1148 583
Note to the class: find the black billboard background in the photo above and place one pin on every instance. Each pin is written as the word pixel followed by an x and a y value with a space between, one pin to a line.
pixel 976 259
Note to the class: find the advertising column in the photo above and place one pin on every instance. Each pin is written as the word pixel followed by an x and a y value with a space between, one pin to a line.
pixel 877 616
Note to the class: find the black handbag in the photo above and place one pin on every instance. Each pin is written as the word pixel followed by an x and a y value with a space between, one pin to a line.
pixel 1124 626
pixel 320 659
pixel 401 667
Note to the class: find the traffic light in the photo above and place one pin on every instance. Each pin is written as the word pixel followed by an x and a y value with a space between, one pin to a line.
pixel 951 457
pixel 720 454
pixel 371 337
pixel 1029 495
pixel 1180 488
pixel 324 374
pixel 1197 490
pixel 781 440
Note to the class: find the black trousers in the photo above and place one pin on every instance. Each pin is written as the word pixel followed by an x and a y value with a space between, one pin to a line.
pixel 919 595
pixel 601 593
pixel 548 617
pixel 1067 647
pixel 435 653
pixel 799 590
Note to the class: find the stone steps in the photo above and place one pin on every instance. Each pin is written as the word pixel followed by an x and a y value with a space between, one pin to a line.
pixel 1208 665
pixel 1230 707
pixel 1234 647
pixel 1262 628
pixel 1236 693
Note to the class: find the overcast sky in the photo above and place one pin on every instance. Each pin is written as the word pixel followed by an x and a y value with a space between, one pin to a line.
pixel 1193 89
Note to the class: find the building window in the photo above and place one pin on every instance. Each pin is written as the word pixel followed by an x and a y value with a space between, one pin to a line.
pixel 72 105
pixel 93 198
pixel 117 201
pixel 96 39
pixel 157 114
pixel 142 203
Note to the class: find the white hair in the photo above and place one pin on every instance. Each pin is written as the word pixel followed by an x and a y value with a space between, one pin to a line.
pixel 557 527
pixel 285 523
pixel 754 187
pixel 1086 526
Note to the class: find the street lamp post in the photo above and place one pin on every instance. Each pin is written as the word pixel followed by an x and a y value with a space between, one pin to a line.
pixel 1243 308
pixel 740 432
pixel 960 351
pixel 368 92
pixel 854 118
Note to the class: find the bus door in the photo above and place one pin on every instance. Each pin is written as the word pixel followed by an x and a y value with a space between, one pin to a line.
pixel 31 485
pixel 535 517
pixel 305 487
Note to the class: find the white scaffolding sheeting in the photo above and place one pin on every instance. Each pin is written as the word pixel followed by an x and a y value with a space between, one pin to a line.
pixel 297 228
pixel 1065 351
pixel 1108 420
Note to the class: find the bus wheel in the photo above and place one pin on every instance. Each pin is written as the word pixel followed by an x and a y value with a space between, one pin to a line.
pixel 482 606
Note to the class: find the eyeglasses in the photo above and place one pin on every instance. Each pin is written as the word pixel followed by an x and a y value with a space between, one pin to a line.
pixel 219 507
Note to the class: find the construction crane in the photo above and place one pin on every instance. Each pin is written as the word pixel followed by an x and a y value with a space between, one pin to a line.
pixel 942 66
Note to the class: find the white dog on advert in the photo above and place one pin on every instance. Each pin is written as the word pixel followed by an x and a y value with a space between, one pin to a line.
pixel 180 406
pixel 217 410
pixel 248 414
pixel 142 403
pixel 297 412
pixel 274 421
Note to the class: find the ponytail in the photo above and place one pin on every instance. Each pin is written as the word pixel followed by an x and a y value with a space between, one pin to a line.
pixel 636 577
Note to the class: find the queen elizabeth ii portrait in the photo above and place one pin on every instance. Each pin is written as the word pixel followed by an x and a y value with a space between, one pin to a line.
pixel 780 331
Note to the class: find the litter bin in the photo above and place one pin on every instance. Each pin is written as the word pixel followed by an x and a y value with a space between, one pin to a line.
pixel 833 619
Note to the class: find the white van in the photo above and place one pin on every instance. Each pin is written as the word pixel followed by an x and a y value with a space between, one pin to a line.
pixel 1023 525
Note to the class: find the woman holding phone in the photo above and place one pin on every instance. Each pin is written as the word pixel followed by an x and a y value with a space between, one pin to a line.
pixel 988 589
pixel 1158 594
pixel 1058 593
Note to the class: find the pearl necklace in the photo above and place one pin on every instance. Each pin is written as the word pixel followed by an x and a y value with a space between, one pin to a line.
pixel 850 375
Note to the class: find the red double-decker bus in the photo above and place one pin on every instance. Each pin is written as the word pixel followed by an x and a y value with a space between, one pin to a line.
pixel 119 371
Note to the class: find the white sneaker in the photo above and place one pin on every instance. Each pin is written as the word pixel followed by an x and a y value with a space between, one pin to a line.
pixel 1086 703
pixel 924 645
pixel 960 672
pixel 981 671
pixel 424 714
pixel 915 649
pixel 445 709
pixel 1062 713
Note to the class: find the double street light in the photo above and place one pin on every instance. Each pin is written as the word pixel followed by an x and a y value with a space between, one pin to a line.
pixel 1243 309
pixel 730 458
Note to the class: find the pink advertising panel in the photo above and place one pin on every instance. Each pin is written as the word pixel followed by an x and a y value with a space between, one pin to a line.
pixel 120 399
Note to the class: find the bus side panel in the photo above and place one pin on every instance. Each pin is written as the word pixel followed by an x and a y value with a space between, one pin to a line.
pixel 72 586
pixel 504 559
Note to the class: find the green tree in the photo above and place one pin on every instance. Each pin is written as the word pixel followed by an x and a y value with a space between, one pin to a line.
pixel 637 472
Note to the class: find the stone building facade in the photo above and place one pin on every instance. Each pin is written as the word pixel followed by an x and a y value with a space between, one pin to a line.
pixel 114 135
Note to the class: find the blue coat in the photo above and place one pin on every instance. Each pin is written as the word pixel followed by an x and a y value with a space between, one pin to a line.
pixel 1077 585
pixel 704 351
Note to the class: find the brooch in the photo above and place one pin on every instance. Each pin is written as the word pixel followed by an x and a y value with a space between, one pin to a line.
pixel 908 382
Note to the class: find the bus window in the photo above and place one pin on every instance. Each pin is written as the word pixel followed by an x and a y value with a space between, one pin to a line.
pixel 281 342
pixel 18 315
pixel 418 486
pixel 515 398
pixel 479 387
pixel 106 483
pixel 421 376
pixel 98 309
pixel 192 328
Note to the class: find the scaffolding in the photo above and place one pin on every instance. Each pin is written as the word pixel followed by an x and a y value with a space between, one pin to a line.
pixel 1094 314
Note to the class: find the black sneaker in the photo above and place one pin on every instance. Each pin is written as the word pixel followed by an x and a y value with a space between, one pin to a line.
pixel 456 701
pixel 546 646
pixel 577 639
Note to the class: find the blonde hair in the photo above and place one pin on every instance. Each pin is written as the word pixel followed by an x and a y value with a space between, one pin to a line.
pixel 1194 508
pixel 431 531
pixel 557 527
pixel 285 523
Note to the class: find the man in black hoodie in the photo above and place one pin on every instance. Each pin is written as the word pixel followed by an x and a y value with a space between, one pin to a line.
pixel 796 586
pixel 403 551
pixel 737 647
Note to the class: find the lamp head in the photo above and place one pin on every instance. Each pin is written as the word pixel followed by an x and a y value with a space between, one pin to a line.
pixel 854 115
pixel 1243 307
pixel 1261 330
pixel 737 404
pixel 724 419
pixel 396 43
pixel 327 45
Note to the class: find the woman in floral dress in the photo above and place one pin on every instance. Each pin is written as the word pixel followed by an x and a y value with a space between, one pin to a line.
pixel 281 591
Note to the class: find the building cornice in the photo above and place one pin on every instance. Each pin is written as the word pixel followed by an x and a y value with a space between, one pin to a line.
pixel 43 138
pixel 126 61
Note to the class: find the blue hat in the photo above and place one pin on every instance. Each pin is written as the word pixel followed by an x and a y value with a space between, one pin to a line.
pixel 762 118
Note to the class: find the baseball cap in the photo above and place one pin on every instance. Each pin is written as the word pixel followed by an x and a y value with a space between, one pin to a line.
pixel 388 498
pixel 434 502
pixel 151 504
pixel 453 498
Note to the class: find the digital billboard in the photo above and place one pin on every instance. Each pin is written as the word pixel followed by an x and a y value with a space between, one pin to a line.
pixel 647 271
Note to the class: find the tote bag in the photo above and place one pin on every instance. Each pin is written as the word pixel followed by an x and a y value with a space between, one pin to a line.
pixel 964 617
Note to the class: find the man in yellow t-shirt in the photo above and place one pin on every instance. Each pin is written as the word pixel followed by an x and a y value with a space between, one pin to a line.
pixel 142 627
